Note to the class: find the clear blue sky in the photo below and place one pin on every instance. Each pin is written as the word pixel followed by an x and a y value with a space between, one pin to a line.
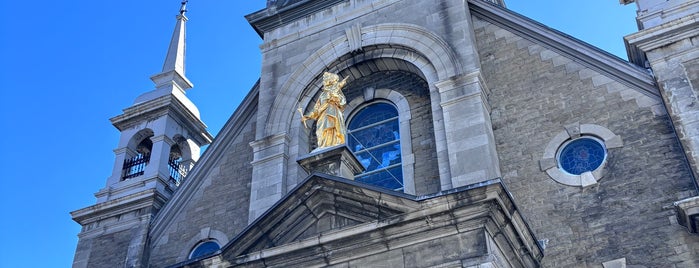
pixel 66 67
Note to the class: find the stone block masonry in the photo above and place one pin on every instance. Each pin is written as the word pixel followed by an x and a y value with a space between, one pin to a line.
pixel 535 92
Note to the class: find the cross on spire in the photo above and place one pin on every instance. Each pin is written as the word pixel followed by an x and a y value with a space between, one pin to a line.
pixel 183 9
pixel 173 72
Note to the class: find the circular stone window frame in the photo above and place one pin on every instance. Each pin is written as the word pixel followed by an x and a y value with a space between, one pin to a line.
pixel 549 161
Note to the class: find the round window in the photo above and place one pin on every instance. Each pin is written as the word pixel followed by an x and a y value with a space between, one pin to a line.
pixel 581 155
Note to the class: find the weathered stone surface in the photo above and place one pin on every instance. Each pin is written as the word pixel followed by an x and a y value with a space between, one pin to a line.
pixel 627 213
pixel 217 208
pixel 408 231
pixel 337 161
pixel 103 253
pixel 478 97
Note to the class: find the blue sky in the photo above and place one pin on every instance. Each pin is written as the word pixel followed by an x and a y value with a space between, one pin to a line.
pixel 69 66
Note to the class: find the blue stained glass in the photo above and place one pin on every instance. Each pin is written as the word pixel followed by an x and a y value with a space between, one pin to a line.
pixel 205 248
pixel 582 155
pixel 369 137
pixel 372 114
pixel 380 157
pixel 389 179
pixel 374 138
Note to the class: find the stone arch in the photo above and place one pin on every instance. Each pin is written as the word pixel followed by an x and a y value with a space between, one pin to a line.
pixel 420 47
pixel 136 139
pixel 184 146
pixel 205 234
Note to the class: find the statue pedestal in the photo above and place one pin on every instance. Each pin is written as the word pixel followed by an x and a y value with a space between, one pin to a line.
pixel 336 161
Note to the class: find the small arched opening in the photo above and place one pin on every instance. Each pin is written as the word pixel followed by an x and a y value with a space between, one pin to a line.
pixel 135 165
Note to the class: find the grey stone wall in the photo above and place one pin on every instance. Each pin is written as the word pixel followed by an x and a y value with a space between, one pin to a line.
pixel 676 67
pixel 109 250
pixel 219 206
pixel 429 35
pixel 535 92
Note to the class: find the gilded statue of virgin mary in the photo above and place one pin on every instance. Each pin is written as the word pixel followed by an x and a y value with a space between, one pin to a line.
pixel 327 111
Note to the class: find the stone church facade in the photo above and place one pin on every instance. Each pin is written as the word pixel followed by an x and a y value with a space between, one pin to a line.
pixel 477 138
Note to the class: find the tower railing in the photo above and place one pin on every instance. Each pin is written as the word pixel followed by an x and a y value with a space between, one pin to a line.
pixel 177 170
pixel 135 166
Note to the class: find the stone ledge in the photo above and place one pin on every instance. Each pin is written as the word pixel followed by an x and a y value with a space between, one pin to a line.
pixel 688 213
pixel 336 161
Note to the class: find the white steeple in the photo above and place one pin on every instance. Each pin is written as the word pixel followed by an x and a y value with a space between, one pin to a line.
pixel 172 79
pixel 160 141
pixel 174 67
pixel 174 61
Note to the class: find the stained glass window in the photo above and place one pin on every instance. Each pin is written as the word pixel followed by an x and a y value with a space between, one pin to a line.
pixel 204 249
pixel 582 155
pixel 374 138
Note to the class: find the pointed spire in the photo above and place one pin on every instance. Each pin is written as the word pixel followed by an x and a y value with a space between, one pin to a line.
pixel 176 52
pixel 174 67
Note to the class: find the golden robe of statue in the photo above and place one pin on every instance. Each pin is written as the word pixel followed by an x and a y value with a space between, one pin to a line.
pixel 327 111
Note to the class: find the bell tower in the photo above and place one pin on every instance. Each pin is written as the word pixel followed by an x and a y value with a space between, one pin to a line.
pixel 160 141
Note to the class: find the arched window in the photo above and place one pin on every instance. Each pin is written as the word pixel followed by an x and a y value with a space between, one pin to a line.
pixel 204 248
pixel 374 138
pixel 136 166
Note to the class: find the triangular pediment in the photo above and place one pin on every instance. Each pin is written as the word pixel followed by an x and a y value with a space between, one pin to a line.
pixel 322 203
pixel 328 220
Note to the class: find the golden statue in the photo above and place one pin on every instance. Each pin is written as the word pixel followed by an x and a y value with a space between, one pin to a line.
pixel 327 111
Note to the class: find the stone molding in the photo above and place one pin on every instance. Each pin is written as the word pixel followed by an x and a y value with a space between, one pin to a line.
pixel 436 61
pixel 204 234
pixel 586 54
pixel 688 213
pixel 95 218
pixel 549 160
pixel 337 161
pixel 644 41
pixel 272 17
pixel 618 263
pixel 395 221
pixel 474 81
pixel 168 105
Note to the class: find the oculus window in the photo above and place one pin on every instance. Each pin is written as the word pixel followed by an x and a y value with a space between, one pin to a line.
pixel 581 155
pixel 374 138
pixel 577 155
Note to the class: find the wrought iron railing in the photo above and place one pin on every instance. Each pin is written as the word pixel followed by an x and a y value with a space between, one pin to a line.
pixel 177 171
pixel 135 166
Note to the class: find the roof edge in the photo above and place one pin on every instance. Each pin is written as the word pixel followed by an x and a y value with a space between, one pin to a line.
pixel 588 55
pixel 184 193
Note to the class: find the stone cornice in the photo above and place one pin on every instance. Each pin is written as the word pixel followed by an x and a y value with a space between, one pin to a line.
pixel 487 206
pixel 688 213
pixel 642 42
pixel 164 105
pixel 119 206
pixel 271 18
pixel 588 55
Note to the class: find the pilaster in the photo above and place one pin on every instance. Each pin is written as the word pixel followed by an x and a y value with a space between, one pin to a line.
pixel 158 166
pixel 121 155
pixel 269 169
pixel 470 141
pixel 671 52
